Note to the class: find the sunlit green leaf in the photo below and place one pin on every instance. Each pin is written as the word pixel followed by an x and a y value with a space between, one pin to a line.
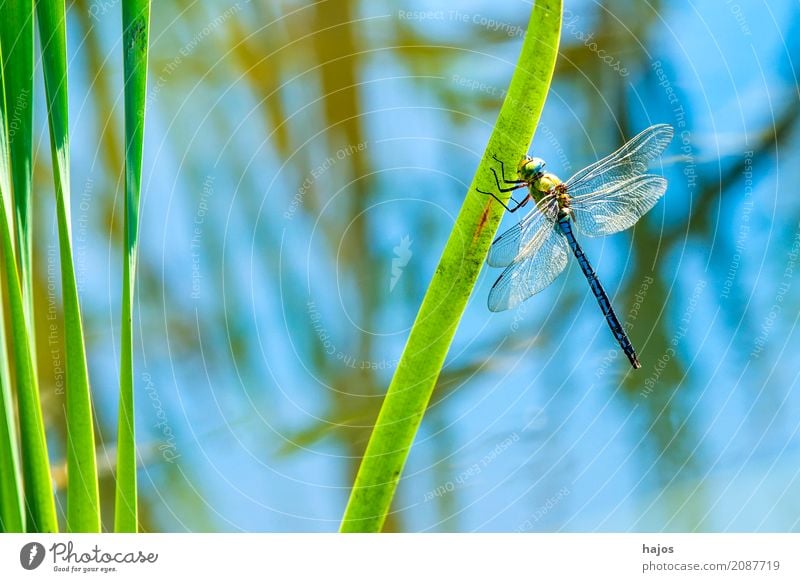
pixel 41 516
pixel 135 25
pixel 463 257
pixel 83 506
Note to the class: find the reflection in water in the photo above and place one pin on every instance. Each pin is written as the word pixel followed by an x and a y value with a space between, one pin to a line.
pixel 303 166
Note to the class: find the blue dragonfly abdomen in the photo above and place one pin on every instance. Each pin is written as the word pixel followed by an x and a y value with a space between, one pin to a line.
pixel 564 224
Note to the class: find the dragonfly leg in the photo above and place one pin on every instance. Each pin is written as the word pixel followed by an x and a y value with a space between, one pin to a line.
pixel 521 203
pixel 517 205
pixel 517 183
pixel 503 172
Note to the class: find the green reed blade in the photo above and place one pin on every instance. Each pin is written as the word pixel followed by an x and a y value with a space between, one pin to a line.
pixel 37 483
pixel 83 506
pixel 135 26
pixel 452 284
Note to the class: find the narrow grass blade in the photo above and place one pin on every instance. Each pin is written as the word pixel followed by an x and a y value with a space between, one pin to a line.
pixel 16 31
pixel 11 508
pixel 41 511
pixel 83 506
pixel 135 26
pixel 452 284
pixel 16 36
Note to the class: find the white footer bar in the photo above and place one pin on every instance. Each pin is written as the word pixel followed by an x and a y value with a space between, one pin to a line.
pixel 416 557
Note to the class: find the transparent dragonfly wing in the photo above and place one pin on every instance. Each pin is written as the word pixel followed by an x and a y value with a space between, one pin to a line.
pixel 531 271
pixel 628 161
pixel 526 236
pixel 617 206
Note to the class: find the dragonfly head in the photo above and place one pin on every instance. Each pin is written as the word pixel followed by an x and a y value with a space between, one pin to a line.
pixel 530 169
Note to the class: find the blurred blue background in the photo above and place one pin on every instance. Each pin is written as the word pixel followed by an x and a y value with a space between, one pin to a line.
pixel 304 163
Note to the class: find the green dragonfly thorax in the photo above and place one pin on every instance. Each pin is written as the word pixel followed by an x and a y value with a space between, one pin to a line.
pixel 550 184
pixel 544 184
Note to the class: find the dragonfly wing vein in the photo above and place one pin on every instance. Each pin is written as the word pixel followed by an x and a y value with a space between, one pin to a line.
pixel 628 161
pixel 530 272
pixel 526 235
pixel 618 206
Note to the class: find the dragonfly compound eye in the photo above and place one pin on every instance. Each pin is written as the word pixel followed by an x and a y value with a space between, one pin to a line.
pixel 529 168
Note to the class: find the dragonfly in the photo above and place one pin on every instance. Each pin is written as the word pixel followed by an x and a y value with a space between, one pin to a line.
pixel 608 196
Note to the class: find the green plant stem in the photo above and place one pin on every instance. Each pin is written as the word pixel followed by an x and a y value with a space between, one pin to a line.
pixel 12 513
pixel 41 512
pixel 453 281
pixel 35 467
pixel 83 505
pixel 135 26
pixel 16 30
